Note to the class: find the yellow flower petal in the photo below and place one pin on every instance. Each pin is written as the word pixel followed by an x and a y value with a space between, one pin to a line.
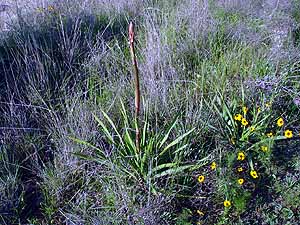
pixel 280 122
pixel 241 156
pixel 227 203
pixel 253 174
pixel 238 117
pixel 288 134
pixel 264 148
pixel 245 109
pixel 244 122
pixel 201 178
pixel 213 166
pixel 241 181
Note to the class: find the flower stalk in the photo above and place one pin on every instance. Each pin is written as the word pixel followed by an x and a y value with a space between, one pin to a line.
pixel 137 85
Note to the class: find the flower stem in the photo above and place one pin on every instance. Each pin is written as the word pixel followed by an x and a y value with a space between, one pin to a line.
pixel 137 85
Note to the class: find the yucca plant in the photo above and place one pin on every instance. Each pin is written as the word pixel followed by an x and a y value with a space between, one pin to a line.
pixel 158 156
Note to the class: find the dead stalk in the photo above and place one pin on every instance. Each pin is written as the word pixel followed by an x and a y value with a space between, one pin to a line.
pixel 137 84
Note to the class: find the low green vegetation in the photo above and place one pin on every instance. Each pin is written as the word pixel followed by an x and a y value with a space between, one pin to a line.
pixel 219 121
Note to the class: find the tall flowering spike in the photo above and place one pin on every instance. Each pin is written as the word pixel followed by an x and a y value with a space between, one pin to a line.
pixel 137 84
pixel 131 33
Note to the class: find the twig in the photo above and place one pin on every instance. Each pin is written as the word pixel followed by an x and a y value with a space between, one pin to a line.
pixel 21 128
pixel 24 105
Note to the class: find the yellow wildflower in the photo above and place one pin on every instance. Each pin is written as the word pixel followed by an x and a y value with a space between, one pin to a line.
pixel 238 117
pixel 213 166
pixel 227 203
pixel 245 109
pixel 264 148
pixel 241 181
pixel 280 122
pixel 241 156
pixel 240 169
pixel 244 122
pixel 200 213
pixel 270 134
pixel 201 179
pixel 288 134
pixel 253 174
pixel 252 129
pixel 258 110
pixel 268 104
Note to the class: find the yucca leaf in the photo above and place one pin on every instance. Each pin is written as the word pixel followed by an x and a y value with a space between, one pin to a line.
pixel 228 112
pixel 147 152
pixel 145 128
pixel 163 166
pixel 83 156
pixel 131 174
pixel 88 157
pixel 84 143
pixel 173 171
pixel 200 163
pixel 105 130
pixel 124 114
pixel 98 150
pixel 113 126
pixel 167 134
pixel 129 142
pixel 176 141
pixel 181 148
